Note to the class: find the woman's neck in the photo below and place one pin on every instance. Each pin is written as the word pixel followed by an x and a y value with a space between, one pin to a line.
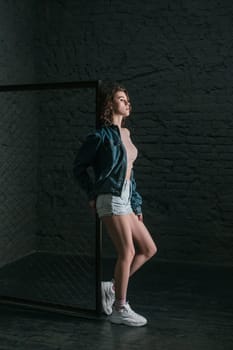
pixel 117 120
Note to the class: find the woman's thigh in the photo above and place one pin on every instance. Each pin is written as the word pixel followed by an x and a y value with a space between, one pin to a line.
pixel 141 236
pixel 119 230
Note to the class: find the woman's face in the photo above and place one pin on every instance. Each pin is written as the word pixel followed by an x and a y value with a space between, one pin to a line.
pixel 121 104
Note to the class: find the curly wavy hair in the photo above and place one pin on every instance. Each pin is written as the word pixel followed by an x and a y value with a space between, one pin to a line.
pixel 107 94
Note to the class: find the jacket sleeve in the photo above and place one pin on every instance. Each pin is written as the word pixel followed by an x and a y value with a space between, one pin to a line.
pixel 136 198
pixel 83 160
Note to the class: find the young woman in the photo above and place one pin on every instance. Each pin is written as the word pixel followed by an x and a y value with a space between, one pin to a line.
pixel 111 153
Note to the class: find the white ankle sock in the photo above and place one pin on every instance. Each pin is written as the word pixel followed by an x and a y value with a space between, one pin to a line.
pixel 119 303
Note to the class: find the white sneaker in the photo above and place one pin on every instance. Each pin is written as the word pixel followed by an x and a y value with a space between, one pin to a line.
pixel 127 317
pixel 108 297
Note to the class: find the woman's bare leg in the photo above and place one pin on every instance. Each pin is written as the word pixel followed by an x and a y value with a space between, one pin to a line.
pixel 145 244
pixel 119 229
pixel 124 230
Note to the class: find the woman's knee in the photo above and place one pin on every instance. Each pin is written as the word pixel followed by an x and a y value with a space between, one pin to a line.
pixel 153 250
pixel 127 254
pixel 150 251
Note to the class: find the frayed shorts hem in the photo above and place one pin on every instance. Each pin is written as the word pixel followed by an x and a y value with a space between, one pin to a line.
pixel 108 204
pixel 112 213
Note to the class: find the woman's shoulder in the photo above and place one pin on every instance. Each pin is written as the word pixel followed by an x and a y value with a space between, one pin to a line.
pixel 98 133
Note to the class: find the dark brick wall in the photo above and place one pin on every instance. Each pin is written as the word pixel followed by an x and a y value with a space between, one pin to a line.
pixel 66 223
pixel 17 45
pixel 175 57
pixel 18 175
pixel 18 133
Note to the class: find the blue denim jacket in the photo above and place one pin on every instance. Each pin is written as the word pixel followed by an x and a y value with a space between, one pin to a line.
pixel 105 153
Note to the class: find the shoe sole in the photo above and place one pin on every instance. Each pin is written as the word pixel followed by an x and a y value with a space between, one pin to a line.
pixel 116 321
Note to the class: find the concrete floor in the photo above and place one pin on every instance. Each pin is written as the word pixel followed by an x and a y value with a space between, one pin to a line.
pixel 188 308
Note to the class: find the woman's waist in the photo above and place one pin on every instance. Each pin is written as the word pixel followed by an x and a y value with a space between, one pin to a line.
pixel 112 186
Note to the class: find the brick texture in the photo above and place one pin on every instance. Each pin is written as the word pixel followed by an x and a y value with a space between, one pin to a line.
pixel 175 58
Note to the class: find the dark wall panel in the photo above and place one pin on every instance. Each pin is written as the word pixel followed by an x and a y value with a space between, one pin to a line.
pixel 176 60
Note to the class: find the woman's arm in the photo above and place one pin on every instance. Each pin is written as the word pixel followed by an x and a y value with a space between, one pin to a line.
pixel 83 160
pixel 136 198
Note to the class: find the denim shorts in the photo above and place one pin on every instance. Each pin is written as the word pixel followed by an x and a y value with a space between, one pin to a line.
pixel 108 204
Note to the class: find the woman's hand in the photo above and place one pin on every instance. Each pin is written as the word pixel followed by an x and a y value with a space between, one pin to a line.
pixel 140 217
pixel 92 204
pixel 92 207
